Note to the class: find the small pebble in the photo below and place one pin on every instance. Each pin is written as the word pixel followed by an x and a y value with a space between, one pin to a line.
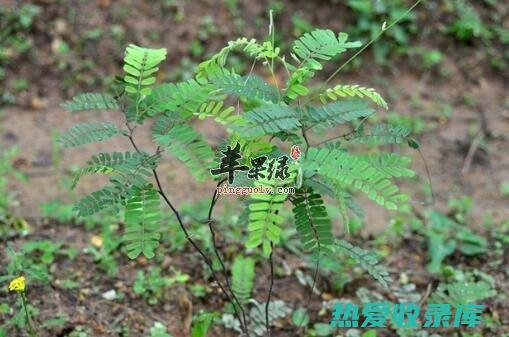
pixel 110 295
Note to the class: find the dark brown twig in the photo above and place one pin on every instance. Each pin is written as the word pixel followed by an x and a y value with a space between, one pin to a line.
pixel 271 262
pixel 213 201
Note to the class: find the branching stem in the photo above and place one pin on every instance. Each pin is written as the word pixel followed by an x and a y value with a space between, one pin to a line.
pixel 213 201
pixel 207 261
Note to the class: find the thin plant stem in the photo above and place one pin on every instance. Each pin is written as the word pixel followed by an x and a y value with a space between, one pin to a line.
pixel 271 262
pixel 345 135
pixel 213 202
pixel 383 30
pixel 306 140
pixel 196 247
pixel 271 62
pixel 428 176
pixel 24 301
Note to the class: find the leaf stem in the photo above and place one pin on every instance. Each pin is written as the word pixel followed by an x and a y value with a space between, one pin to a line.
pixel 24 301
pixel 344 135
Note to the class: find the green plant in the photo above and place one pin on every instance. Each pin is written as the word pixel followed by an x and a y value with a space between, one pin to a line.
pixel 504 189
pixel 152 284
pixel 79 331
pixel 321 329
pixel 103 250
pixel 18 320
pixel 18 285
pixel 202 324
pixel 300 25
pixel 57 210
pixel 468 24
pixel 289 114
pixel 371 17
pixel 33 260
pixel 8 201
pixel 445 236
pixel 159 330
pixel 243 274
pixel 458 293
pixel 369 333
pixel 300 317
pixel 431 58
pixel 15 23
pixel 24 262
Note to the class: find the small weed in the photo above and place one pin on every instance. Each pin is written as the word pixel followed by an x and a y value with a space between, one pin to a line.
pixel 152 284
pixel 370 18
pixel 445 236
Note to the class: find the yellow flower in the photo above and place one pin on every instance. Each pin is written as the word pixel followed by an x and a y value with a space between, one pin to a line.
pixel 96 241
pixel 18 284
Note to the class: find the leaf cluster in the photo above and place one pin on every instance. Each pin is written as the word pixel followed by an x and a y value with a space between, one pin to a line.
pixel 255 113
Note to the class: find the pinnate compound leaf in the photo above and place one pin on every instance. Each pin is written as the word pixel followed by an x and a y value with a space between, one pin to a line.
pixel 142 219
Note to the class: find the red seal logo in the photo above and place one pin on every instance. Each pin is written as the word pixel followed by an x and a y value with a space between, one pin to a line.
pixel 295 152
